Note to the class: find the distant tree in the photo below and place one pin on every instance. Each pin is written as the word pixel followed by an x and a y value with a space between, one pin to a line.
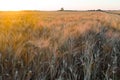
pixel 62 9
pixel 98 10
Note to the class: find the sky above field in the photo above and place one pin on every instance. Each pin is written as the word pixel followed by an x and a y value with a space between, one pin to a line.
pixel 57 4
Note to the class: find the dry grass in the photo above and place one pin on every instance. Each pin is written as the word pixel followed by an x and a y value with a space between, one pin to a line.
pixel 59 46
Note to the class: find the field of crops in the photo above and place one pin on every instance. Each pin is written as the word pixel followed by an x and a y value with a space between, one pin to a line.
pixel 59 45
pixel 115 11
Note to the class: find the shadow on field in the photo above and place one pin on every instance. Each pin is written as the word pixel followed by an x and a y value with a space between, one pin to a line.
pixel 94 55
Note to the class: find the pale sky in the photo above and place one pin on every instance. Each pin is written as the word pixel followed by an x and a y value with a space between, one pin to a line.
pixel 57 4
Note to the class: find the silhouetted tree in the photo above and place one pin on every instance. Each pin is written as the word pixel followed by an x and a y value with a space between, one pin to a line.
pixel 62 9
pixel 98 10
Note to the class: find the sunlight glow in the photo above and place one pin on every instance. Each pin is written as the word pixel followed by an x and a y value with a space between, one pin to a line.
pixel 16 5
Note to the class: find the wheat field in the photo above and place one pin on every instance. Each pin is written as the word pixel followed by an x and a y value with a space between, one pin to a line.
pixel 59 45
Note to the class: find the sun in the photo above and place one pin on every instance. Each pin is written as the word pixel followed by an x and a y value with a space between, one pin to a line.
pixel 12 5
pixel 8 5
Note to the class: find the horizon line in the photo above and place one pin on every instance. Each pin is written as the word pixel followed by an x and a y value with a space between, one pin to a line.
pixel 63 10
